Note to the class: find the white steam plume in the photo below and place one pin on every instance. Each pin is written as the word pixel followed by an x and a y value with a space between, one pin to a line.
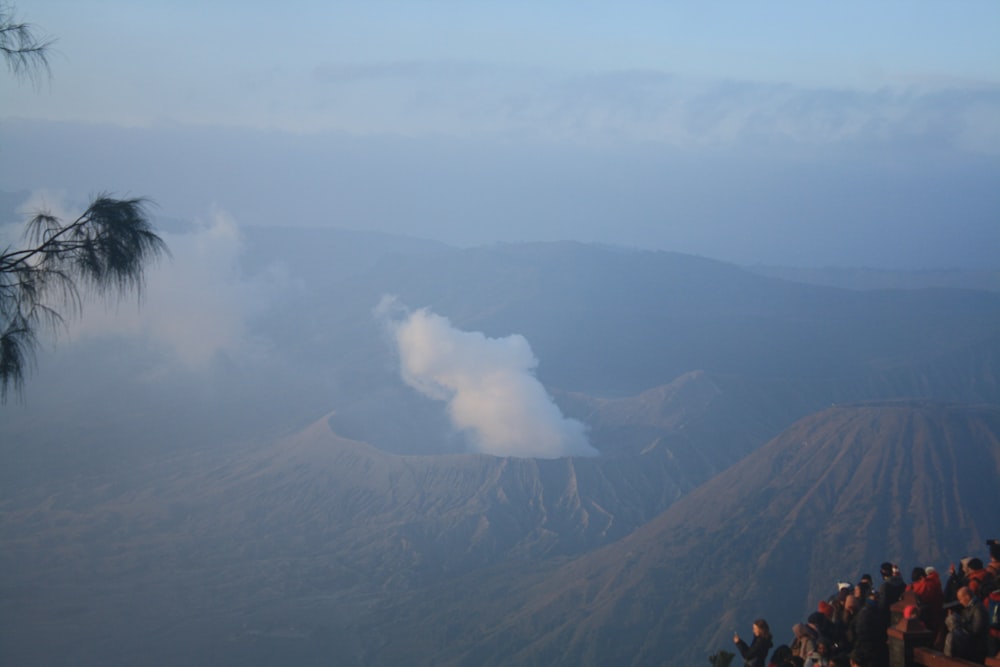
pixel 487 383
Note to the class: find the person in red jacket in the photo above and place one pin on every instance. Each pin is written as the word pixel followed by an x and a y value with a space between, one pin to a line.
pixel 993 567
pixel 927 587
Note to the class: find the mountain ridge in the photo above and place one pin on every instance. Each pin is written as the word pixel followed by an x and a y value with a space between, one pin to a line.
pixel 717 546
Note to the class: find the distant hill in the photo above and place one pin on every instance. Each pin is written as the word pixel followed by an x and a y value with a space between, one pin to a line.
pixel 871 278
pixel 616 324
pixel 611 321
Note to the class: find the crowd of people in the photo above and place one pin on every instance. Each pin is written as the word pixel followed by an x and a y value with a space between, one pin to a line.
pixel 849 629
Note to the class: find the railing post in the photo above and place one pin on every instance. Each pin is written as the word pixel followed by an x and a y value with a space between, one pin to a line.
pixel 907 633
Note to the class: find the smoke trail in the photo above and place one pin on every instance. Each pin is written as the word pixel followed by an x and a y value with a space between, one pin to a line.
pixel 487 384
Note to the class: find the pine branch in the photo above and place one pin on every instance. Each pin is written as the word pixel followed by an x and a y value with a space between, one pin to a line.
pixel 25 53
pixel 107 249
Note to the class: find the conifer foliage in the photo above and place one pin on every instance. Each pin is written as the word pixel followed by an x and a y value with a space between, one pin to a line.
pixel 25 53
pixel 107 248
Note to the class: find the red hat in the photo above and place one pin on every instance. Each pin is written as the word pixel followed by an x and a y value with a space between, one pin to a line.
pixel 825 608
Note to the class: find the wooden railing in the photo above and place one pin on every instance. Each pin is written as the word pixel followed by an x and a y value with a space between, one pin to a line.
pixel 910 644
pixel 931 658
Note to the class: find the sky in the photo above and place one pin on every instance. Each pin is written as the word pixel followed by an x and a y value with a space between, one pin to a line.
pixel 803 134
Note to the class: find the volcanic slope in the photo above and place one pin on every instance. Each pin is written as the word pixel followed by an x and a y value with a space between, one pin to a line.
pixel 213 554
pixel 831 497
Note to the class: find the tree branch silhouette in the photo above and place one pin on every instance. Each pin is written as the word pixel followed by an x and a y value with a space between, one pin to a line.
pixel 106 249
pixel 25 53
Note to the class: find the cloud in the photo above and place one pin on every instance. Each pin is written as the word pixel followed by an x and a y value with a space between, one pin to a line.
pixel 647 105
pixel 486 382
pixel 195 305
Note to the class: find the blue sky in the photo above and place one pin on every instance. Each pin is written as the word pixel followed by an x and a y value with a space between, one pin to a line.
pixel 657 124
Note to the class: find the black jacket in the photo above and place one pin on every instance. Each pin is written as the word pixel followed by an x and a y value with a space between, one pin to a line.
pixel 890 592
pixel 755 655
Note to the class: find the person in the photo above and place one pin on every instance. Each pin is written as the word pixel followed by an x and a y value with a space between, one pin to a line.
pixel 927 587
pixel 869 640
pixel 978 579
pixel 834 628
pixel 819 622
pixel 859 658
pixel 956 580
pixel 994 565
pixel 837 600
pixel 992 606
pixel 755 654
pixel 851 606
pixel 863 589
pixel 821 656
pixel 890 591
pixel 781 656
pixel 805 640
pixel 967 628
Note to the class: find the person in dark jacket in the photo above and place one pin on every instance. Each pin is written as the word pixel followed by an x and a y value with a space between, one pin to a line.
pixel 870 635
pixel 859 658
pixel 993 567
pixel 956 580
pixel 890 591
pixel 781 657
pixel 992 606
pixel 967 628
pixel 755 654
pixel 849 619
